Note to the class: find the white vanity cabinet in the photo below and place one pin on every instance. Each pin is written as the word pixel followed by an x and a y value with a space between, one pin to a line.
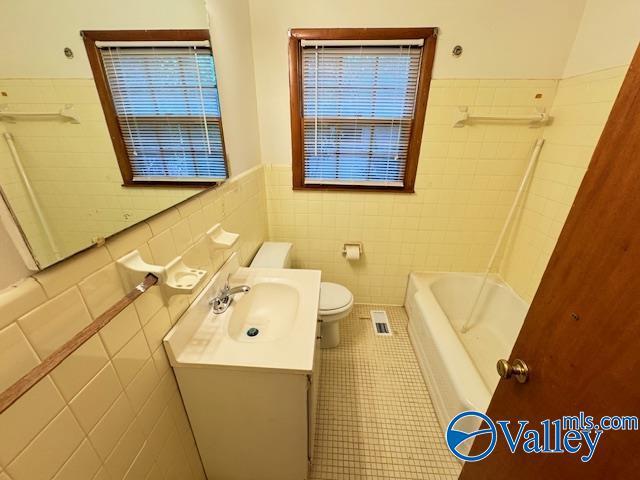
pixel 248 376
pixel 251 424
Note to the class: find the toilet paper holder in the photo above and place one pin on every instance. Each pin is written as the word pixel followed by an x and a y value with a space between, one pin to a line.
pixel 352 244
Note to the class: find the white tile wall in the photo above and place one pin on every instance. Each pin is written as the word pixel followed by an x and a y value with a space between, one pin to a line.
pixel 466 182
pixel 580 111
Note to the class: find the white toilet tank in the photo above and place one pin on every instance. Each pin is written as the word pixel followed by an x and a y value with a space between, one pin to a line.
pixel 273 255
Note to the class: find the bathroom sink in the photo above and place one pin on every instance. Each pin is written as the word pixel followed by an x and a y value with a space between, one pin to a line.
pixel 272 326
pixel 267 312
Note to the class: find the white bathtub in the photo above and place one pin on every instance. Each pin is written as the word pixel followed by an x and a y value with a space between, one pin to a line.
pixel 459 368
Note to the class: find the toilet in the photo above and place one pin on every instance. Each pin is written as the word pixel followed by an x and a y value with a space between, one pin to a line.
pixel 336 301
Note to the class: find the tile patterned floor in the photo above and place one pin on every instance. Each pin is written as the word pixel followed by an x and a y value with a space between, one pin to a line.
pixel 375 417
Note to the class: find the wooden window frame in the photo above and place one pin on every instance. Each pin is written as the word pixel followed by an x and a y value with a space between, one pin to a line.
pixel 90 38
pixel 296 35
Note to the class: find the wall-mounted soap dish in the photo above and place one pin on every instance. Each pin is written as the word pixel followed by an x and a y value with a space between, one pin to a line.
pixel 220 238
pixel 174 279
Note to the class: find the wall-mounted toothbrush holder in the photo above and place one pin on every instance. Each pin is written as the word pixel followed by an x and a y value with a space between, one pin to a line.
pixel 181 278
pixel 175 278
pixel 220 239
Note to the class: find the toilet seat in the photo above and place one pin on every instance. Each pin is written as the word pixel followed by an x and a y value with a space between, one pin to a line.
pixel 334 299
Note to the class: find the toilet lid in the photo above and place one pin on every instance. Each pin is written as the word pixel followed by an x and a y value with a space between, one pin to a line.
pixel 334 296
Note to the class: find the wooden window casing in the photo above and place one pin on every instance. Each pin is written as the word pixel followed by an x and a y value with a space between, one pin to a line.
pixel 296 37
pixel 90 38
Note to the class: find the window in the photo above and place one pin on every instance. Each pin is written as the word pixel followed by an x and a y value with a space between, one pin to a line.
pixel 358 101
pixel 159 94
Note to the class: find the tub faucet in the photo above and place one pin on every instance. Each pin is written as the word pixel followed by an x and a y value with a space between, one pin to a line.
pixel 223 299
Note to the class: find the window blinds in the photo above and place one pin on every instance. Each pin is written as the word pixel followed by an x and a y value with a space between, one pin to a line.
pixel 358 109
pixel 168 109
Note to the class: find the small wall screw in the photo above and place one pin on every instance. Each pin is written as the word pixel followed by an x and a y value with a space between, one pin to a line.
pixel 575 316
pixel 68 52
pixel 457 51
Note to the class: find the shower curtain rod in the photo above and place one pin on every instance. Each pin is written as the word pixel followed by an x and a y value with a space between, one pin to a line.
pixel 26 182
pixel 535 154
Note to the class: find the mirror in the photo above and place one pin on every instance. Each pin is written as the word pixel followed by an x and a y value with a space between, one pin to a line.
pixel 59 173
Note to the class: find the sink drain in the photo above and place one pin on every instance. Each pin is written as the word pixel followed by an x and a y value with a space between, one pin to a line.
pixel 252 332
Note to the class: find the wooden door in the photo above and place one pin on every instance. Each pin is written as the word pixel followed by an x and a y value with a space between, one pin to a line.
pixel 581 337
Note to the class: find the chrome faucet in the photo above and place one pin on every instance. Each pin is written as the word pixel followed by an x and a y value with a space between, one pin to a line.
pixel 223 299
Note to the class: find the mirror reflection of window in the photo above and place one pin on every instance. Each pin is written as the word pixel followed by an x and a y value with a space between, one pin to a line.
pixel 160 100
pixel 60 175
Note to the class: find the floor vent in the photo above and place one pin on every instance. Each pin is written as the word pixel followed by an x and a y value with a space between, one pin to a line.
pixel 380 322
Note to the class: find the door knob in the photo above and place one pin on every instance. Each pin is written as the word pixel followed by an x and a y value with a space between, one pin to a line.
pixel 517 369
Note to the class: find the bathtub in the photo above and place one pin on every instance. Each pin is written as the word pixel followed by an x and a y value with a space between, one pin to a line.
pixel 459 368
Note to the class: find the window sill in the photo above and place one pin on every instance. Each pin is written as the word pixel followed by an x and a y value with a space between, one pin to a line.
pixel 354 188
pixel 150 183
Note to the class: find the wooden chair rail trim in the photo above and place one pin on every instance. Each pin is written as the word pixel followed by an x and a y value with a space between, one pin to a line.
pixel 37 373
